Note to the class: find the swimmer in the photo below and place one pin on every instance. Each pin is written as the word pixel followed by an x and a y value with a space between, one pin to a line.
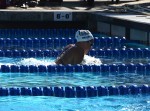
pixel 74 53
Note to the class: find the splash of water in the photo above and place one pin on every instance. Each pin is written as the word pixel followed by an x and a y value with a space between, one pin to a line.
pixel 34 61
pixel 88 60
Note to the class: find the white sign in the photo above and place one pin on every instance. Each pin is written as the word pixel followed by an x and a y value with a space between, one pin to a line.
pixel 62 16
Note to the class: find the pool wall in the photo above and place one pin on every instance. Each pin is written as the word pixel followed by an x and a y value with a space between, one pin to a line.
pixel 95 21
pixel 44 19
pixel 115 26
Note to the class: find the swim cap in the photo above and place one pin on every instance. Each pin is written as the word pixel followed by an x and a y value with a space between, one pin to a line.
pixel 83 35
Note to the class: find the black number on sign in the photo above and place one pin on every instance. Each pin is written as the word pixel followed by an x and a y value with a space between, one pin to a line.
pixel 67 16
pixel 58 16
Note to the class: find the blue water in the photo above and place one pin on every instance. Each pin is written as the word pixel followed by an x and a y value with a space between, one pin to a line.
pixel 70 79
pixel 42 103
pixel 136 45
pixel 48 103
pixel 65 79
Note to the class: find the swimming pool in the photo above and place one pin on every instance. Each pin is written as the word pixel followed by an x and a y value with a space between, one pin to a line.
pixel 28 71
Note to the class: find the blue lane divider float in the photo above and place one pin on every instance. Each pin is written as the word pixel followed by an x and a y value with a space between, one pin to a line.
pixel 54 43
pixel 38 32
pixel 123 53
pixel 75 91
pixel 104 68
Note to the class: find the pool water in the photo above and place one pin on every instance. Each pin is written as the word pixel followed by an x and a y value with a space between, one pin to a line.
pixel 48 103
pixel 70 79
pixel 138 102
pixel 109 103
pixel 65 79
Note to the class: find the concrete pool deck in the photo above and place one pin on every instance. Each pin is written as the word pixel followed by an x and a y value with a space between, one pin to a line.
pixel 82 6
pixel 120 10
pixel 129 18
pixel 101 7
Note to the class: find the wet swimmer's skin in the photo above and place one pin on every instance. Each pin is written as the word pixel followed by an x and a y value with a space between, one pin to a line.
pixel 74 53
pixel 71 55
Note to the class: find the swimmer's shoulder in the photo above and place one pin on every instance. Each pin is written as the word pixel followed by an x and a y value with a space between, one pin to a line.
pixel 77 51
pixel 74 55
pixel 78 54
pixel 69 46
pixel 73 47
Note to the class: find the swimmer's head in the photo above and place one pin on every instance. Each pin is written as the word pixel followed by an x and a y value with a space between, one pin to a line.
pixel 83 35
